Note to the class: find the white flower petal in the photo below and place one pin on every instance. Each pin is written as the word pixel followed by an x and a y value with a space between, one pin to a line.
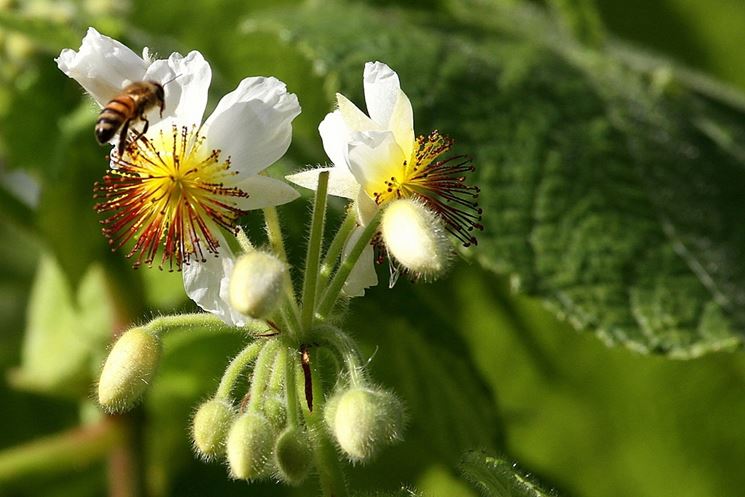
pixel 374 158
pixel 341 181
pixel 264 192
pixel 253 124
pixel 364 208
pixel 102 66
pixel 353 117
pixel 363 273
pixel 335 135
pixel 401 124
pixel 388 105
pixel 382 89
pixel 187 81
pixel 207 284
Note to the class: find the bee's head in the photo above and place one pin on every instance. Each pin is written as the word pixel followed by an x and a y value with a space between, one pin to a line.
pixel 160 94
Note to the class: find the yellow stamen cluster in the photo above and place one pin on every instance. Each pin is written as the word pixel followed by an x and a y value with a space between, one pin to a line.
pixel 169 192
pixel 440 185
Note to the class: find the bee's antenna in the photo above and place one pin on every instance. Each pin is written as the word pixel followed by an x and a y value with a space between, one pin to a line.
pixel 172 79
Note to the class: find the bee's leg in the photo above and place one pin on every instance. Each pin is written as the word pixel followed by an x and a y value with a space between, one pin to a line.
pixel 123 138
pixel 144 129
pixel 162 108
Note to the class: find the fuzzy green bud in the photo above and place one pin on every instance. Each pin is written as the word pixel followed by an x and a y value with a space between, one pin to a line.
pixel 249 447
pixel 414 236
pixel 363 420
pixel 256 283
pixel 210 427
pixel 292 455
pixel 128 370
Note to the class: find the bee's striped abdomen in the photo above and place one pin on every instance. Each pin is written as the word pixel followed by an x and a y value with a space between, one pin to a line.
pixel 118 111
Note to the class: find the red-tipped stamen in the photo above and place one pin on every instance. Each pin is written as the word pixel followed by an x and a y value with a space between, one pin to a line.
pixel 168 198
pixel 440 185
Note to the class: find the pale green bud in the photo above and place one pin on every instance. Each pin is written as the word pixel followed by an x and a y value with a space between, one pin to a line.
pixel 292 455
pixel 210 427
pixel 249 447
pixel 256 284
pixel 128 370
pixel 414 236
pixel 363 420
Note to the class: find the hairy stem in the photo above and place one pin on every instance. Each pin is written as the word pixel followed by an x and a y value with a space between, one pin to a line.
pixel 327 463
pixel 236 368
pixel 165 324
pixel 291 388
pixel 337 282
pixel 337 244
pixel 289 309
pixel 346 349
pixel 313 257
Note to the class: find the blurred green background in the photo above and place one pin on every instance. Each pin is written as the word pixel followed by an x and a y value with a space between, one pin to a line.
pixel 479 366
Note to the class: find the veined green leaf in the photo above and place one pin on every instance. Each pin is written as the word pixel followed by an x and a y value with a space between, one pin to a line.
pixel 609 191
pixel 497 477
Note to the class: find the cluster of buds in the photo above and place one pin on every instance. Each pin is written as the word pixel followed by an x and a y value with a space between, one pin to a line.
pixel 267 429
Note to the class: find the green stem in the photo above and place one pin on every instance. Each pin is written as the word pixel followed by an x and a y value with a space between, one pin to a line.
pixel 337 282
pixel 313 256
pixel 67 451
pixel 236 367
pixel 337 244
pixel 166 324
pixel 244 242
pixel 329 470
pixel 291 388
pixel 347 350
pixel 262 374
pixel 290 311
pixel 273 405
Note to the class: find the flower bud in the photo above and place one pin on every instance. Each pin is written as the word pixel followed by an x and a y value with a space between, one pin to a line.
pixel 249 446
pixel 256 283
pixel 292 455
pixel 210 427
pixel 363 420
pixel 414 236
pixel 128 369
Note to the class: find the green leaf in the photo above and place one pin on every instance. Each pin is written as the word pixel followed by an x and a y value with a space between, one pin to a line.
pixel 497 477
pixel 607 191
pixel 66 332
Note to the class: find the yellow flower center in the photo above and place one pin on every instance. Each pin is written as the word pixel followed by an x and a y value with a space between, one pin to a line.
pixel 169 191
pixel 439 184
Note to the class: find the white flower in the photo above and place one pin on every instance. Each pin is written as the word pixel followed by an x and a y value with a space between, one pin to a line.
pixel 179 186
pixel 104 66
pixel 377 159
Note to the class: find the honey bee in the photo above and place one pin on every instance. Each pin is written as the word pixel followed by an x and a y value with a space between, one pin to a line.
pixel 128 106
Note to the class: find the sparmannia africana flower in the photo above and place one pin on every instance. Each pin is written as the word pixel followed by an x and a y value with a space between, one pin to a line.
pixel 378 159
pixel 176 187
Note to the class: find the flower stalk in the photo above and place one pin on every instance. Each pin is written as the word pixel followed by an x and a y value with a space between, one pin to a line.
pixel 289 307
pixel 236 368
pixel 330 296
pixel 313 256
pixel 335 248
pixel 330 474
